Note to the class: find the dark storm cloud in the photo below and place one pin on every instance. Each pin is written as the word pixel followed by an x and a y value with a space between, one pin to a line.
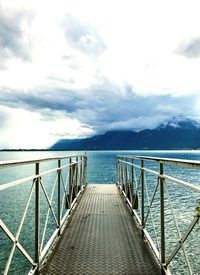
pixel 190 49
pixel 55 100
pixel 130 111
pixel 13 40
pixel 102 107
pixel 82 36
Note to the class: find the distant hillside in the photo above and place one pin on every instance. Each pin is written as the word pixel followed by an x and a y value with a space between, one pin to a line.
pixel 174 134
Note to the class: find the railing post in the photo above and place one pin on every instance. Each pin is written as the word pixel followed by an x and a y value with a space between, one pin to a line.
pixel 73 180
pixel 129 190
pixel 37 218
pixel 59 176
pixel 126 178
pixel 162 217
pixel 85 168
pixel 134 196
pixel 132 184
pixel 77 174
pixel 81 174
pixel 117 171
pixel 142 191
pixel 70 182
pixel 122 174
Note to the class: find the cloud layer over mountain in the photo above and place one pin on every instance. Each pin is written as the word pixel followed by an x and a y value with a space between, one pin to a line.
pixel 73 69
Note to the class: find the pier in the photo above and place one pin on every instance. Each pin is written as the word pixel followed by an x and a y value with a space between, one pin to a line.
pixel 121 228
pixel 102 238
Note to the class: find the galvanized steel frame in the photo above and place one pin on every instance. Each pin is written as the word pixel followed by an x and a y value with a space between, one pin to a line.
pixel 75 181
pixel 127 179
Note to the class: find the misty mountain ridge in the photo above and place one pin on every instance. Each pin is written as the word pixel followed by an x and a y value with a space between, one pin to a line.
pixel 173 134
pixel 179 122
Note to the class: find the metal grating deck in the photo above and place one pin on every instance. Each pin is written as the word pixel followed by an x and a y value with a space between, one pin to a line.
pixel 101 238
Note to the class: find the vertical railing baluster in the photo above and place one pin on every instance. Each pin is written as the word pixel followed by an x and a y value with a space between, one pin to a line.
pixel 162 216
pixel 70 181
pixel 132 183
pixel 123 175
pixel 117 172
pixel 120 175
pixel 122 171
pixel 73 180
pixel 85 168
pixel 118 167
pixel 59 177
pixel 77 174
pixel 37 217
pixel 129 181
pixel 68 195
pixel 81 172
pixel 126 176
pixel 142 195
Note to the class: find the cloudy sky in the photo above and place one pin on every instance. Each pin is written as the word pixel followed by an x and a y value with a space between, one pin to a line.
pixel 74 68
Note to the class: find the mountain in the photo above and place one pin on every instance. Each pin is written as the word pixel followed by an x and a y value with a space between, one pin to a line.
pixel 174 134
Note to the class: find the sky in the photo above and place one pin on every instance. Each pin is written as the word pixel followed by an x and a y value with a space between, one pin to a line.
pixel 76 68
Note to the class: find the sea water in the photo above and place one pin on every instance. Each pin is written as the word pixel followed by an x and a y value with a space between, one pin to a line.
pixel 101 169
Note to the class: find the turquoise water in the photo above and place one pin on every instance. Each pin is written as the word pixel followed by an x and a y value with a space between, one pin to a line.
pixel 101 169
pixel 101 164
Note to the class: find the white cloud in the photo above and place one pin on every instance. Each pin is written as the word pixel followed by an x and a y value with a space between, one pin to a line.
pixel 141 39
pixel 96 65
pixel 28 129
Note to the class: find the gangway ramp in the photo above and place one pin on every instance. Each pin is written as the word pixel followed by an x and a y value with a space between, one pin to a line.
pixel 101 238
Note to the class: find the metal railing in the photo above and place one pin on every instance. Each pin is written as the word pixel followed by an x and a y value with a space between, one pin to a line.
pixel 166 206
pixel 56 190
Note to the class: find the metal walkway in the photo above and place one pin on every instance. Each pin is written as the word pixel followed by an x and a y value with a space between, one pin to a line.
pixel 101 238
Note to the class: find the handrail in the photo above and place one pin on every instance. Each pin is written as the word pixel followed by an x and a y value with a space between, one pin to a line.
pixel 164 176
pixel 11 163
pixel 69 182
pixel 193 164
pixel 135 181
